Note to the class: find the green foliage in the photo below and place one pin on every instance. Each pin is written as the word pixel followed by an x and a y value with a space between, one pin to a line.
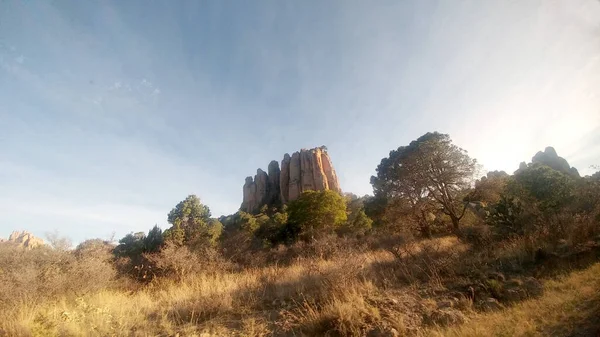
pixel 489 189
pixel 508 216
pixel 315 212
pixel 192 224
pixel 375 209
pixel 358 222
pixel 545 202
pixel 130 245
pixel 189 215
pixel 174 235
pixel 551 188
pixel 154 240
pixel 430 173
pixel 135 244
pixel 215 228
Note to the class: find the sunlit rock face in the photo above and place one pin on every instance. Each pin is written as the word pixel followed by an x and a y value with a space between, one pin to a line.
pixel 303 170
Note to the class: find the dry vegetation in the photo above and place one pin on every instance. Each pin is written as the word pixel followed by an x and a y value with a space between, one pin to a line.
pixel 417 288
pixel 507 256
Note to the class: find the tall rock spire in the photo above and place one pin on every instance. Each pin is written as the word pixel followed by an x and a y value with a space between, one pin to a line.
pixel 303 170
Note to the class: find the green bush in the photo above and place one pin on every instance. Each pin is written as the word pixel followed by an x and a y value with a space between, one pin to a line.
pixel 315 213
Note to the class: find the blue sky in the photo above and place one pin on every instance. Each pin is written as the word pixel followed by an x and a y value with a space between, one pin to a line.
pixel 113 111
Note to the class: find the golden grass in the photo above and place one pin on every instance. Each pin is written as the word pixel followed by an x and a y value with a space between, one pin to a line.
pixel 570 306
pixel 346 296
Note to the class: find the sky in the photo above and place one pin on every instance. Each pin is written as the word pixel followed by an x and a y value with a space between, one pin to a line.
pixel 111 112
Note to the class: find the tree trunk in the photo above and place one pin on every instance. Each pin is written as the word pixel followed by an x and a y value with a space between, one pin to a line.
pixel 426 231
pixel 455 221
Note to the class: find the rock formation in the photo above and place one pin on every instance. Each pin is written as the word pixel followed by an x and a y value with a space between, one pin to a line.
pixel 24 239
pixel 303 170
pixel 550 158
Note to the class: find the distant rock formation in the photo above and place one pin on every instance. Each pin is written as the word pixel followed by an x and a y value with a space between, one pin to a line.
pixel 23 239
pixel 550 158
pixel 303 170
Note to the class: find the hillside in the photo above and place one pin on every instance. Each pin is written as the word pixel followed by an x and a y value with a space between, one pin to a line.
pixel 436 251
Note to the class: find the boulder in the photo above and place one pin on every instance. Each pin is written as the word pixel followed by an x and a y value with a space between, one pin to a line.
pixel 383 332
pixel 447 316
pixel 533 287
pixel 490 304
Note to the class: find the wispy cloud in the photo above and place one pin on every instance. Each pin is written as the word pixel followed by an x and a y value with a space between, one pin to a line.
pixel 194 97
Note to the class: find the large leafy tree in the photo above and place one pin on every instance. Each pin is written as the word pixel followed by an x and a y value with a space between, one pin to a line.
pixel 315 212
pixel 430 173
pixel 192 224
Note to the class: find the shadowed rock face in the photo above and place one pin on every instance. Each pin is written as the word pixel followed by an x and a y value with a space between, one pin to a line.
pixel 550 158
pixel 303 170
pixel 24 239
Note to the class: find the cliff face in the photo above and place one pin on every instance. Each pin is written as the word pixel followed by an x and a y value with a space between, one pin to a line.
pixel 303 170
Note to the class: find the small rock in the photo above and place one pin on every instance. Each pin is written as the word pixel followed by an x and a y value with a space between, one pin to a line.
pixel 515 294
pixel 447 316
pixel 490 304
pixel 533 286
pixel 382 332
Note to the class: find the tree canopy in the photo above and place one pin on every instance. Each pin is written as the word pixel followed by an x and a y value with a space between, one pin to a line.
pixel 192 224
pixel 316 211
pixel 430 173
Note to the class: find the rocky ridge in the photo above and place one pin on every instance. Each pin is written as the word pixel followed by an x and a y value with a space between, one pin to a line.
pixel 23 239
pixel 551 159
pixel 304 170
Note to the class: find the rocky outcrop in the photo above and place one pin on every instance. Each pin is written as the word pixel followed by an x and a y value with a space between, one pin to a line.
pixel 24 239
pixel 285 178
pixel 551 159
pixel 303 170
pixel 273 186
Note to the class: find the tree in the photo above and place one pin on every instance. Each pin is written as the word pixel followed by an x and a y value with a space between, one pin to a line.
pixel 358 222
pixel 131 245
pixel 551 188
pixel 192 224
pixel 314 212
pixel 94 248
pixel 57 241
pixel 489 189
pixel 154 240
pixel 429 173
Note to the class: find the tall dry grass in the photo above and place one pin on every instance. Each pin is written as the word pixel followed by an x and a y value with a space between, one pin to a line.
pixel 415 288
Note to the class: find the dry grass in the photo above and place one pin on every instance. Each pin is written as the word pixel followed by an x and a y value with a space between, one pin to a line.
pixel 570 307
pixel 375 293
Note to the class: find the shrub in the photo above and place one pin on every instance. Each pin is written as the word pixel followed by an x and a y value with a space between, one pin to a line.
pixel 480 236
pixel 179 261
pixel 314 213
pixel 45 273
